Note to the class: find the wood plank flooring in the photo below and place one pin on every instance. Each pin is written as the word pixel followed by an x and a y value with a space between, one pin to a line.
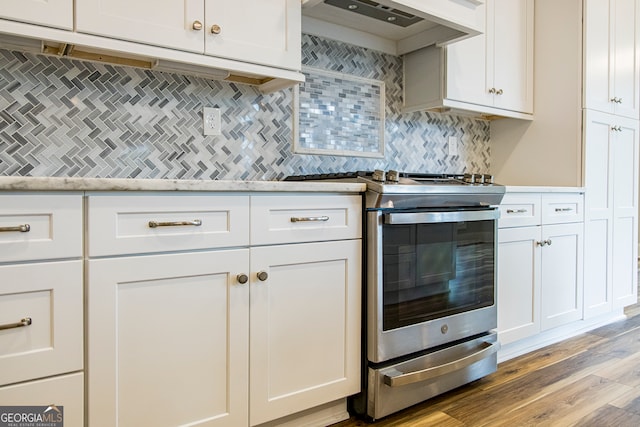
pixel 590 380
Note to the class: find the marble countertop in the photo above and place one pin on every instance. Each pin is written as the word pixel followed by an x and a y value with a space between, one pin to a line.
pixel 10 183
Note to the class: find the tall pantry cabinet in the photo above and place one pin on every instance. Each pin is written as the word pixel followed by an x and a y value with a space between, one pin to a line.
pixel 585 133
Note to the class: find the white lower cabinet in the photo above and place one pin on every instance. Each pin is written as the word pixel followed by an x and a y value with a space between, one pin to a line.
pixel 41 304
pixel 540 263
pixel 305 327
pixel 232 336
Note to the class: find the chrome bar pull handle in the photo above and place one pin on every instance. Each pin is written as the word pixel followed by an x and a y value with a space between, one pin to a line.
pixel 564 209
pixel 323 218
pixel 23 228
pixel 155 224
pixel 26 321
pixel 511 211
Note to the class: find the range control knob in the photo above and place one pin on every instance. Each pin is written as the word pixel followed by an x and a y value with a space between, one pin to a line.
pixel 393 176
pixel 378 175
pixel 487 179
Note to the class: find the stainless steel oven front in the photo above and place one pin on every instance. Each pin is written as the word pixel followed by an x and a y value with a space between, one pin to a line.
pixel 430 278
pixel 430 304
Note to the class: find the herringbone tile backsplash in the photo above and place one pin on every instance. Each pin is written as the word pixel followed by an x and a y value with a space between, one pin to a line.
pixel 66 118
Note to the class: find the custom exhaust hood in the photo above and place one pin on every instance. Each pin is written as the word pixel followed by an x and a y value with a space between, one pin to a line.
pixel 395 26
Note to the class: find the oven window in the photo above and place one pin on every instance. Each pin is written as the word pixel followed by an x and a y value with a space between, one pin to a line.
pixel 435 270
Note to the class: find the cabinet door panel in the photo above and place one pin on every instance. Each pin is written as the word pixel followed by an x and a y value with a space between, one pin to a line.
pixel 598 58
pixel 169 340
pixel 52 13
pixel 264 32
pixel 518 283
pixel 512 46
pixel 305 327
pixel 167 24
pixel 626 70
pixel 597 274
pixel 561 274
pixel 467 83
pixel 598 160
pixel 624 262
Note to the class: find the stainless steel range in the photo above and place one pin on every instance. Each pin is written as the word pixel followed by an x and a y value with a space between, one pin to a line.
pixel 430 306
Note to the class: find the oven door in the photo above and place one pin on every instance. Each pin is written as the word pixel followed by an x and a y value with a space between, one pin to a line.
pixel 430 278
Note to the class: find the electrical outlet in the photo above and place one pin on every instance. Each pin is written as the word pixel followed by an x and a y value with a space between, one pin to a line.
pixel 453 146
pixel 211 121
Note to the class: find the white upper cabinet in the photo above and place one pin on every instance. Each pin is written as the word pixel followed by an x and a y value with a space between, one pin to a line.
pixel 170 23
pixel 265 32
pixel 491 73
pixel 496 69
pixel 51 13
pixel 612 59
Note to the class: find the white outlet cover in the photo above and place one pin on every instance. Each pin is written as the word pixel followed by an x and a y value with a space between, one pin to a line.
pixel 453 146
pixel 211 121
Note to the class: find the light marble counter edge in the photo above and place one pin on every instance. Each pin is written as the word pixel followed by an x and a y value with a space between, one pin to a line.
pixel 10 183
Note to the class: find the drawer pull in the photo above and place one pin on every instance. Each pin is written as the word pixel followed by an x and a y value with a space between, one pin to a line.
pixel 511 211
pixel 564 209
pixel 23 322
pixel 195 222
pixel 22 228
pixel 323 218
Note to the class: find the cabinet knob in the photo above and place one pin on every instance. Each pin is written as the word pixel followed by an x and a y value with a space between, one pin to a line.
pixel 262 276
pixel 616 100
pixel 616 128
pixel 242 278
pixel 197 25
pixel 216 29
pixel 492 90
pixel 499 92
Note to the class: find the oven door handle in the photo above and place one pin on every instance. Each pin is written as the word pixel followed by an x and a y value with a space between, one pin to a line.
pixel 432 217
pixel 397 378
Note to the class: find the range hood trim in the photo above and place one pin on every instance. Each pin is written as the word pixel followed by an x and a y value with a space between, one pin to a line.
pixel 334 22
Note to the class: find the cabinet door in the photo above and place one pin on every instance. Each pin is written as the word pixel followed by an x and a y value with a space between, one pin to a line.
pixel 496 68
pixel 168 340
pixel 169 23
pixel 263 32
pixel 562 258
pixel 624 148
pixel 305 326
pixel 598 213
pixel 626 68
pixel 512 67
pixel 518 283
pixel 51 13
pixel 612 60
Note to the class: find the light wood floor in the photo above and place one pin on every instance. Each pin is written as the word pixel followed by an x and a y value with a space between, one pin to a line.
pixel 590 380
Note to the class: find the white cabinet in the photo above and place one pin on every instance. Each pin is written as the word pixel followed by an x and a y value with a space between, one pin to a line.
pixel 305 327
pixel 540 263
pixel 491 73
pixel 219 325
pixel 51 13
pixel 611 224
pixel 612 62
pixel 168 339
pixel 41 302
pixel 262 32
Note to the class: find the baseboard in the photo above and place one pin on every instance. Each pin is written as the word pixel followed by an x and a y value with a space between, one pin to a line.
pixel 324 415
pixel 552 336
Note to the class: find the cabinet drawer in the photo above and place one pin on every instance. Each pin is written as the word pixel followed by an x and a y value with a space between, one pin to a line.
pixel 50 294
pixel 519 210
pixel 40 226
pixel 64 392
pixel 305 218
pixel 123 223
pixel 560 208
